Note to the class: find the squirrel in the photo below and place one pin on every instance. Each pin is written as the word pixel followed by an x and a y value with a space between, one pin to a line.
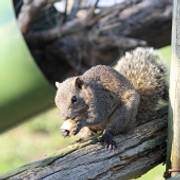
pixel 110 99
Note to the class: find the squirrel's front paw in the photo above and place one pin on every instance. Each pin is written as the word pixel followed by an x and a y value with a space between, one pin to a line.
pixel 107 141
pixel 76 129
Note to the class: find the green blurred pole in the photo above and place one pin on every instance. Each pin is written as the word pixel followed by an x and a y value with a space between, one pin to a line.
pixel 23 89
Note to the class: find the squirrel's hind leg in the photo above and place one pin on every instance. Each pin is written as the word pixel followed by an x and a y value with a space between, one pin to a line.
pixel 122 120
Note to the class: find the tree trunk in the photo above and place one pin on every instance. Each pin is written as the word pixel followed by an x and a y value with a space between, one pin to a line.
pixel 136 153
pixel 68 43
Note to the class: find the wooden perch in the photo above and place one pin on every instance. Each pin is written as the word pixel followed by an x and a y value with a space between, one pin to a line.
pixel 137 153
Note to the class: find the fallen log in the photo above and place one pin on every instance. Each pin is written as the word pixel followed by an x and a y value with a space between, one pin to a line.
pixel 136 153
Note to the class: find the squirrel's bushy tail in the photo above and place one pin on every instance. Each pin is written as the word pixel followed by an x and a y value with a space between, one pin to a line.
pixel 144 69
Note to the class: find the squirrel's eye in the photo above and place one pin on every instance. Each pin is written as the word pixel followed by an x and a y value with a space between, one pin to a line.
pixel 73 99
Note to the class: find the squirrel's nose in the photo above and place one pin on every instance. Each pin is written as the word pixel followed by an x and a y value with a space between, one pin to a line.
pixel 67 117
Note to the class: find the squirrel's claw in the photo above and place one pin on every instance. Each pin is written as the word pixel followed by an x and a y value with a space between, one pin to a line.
pixel 108 142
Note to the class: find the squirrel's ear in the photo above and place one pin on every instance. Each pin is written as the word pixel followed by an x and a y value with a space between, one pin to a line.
pixel 57 84
pixel 79 82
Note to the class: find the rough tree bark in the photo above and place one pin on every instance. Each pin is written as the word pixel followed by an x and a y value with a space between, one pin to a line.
pixel 66 43
pixel 136 154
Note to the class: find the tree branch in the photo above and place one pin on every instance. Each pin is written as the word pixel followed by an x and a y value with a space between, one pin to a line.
pixel 29 11
pixel 75 7
pixel 137 153
pixel 100 37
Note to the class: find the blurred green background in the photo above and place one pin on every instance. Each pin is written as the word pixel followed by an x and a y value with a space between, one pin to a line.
pixel 40 137
pixel 22 86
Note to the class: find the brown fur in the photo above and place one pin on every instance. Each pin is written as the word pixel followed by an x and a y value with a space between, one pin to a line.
pixel 109 99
